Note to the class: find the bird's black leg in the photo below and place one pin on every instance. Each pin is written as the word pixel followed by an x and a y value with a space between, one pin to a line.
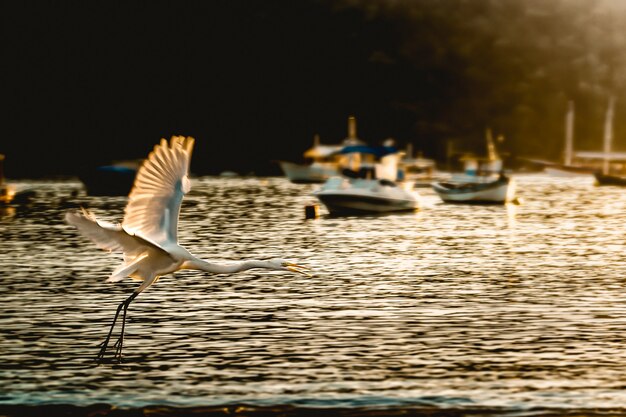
pixel 120 342
pixel 124 304
pixel 104 344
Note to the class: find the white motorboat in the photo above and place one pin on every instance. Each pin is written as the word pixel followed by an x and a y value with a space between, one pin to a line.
pixel 362 195
pixel 367 185
pixel 484 190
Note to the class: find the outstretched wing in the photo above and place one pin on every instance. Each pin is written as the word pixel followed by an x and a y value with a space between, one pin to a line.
pixel 108 236
pixel 161 182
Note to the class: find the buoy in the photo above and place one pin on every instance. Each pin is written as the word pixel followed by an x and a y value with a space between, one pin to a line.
pixel 311 211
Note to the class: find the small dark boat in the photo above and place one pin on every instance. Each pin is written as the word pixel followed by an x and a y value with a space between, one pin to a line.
pixel 109 180
pixel 608 179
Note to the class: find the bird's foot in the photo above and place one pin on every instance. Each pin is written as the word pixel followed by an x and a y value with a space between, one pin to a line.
pixel 118 349
pixel 100 358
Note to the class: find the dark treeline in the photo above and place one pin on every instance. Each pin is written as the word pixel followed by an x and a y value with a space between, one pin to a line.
pixel 87 82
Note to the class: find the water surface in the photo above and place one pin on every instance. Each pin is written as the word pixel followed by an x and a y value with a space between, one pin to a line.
pixel 514 307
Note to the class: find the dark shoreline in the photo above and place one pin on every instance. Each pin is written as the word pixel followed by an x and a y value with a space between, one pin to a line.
pixel 106 410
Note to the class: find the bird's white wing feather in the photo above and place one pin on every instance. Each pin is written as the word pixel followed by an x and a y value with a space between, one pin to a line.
pixel 106 236
pixel 161 182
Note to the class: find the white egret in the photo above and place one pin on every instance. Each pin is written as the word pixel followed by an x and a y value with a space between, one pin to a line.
pixel 148 236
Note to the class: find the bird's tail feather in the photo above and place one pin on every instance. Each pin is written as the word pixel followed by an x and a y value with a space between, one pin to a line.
pixel 126 268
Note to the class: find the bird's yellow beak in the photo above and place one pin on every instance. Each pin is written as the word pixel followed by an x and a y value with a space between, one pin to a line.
pixel 300 269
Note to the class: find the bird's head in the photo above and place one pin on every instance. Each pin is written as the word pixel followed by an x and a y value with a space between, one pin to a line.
pixel 283 265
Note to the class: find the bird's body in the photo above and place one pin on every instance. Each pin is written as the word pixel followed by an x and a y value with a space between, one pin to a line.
pixel 148 235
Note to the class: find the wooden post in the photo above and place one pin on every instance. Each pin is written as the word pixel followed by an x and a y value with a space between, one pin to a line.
pixel 311 211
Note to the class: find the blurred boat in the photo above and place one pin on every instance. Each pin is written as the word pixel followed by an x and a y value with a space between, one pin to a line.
pixel 572 165
pixel 322 161
pixel 481 191
pixel 7 191
pixel 482 181
pixel 614 163
pixel 357 195
pixel 110 180
pixel 368 183
pixel 479 168
pixel 321 164
pixel 318 171
pixel 609 179
pixel 586 163
pixel 10 193
pixel 417 169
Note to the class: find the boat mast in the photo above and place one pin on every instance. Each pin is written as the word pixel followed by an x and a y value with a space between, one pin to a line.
pixel 353 159
pixel 569 133
pixel 492 155
pixel 352 129
pixel 608 135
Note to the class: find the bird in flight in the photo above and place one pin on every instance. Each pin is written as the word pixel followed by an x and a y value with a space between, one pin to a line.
pixel 148 235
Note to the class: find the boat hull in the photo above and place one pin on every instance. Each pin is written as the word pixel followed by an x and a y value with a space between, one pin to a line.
pixel 308 174
pixel 108 180
pixel 338 203
pixel 500 191
pixel 604 179
pixel 365 196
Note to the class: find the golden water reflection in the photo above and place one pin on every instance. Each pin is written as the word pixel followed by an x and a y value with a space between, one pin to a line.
pixel 514 306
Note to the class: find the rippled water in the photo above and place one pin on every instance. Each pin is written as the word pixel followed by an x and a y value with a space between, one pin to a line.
pixel 453 306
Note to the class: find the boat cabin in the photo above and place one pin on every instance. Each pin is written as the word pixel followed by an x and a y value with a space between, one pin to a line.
pixel 374 162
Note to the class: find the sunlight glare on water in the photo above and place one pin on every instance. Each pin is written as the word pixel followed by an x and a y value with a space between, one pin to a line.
pixel 513 306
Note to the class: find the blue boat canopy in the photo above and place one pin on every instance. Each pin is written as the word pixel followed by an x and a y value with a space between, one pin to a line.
pixel 378 151
pixel 116 168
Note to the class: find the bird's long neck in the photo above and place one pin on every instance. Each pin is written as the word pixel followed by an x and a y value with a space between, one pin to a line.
pixel 224 268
